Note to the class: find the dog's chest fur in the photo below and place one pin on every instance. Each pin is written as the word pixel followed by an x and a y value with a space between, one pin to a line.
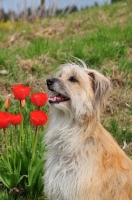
pixel 68 161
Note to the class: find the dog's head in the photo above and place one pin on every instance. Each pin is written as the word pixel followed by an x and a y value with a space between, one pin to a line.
pixel 77 90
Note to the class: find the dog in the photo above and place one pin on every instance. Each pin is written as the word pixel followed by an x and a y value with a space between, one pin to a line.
pixel 83 162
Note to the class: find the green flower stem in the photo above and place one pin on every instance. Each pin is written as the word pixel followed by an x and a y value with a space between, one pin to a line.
pixel 35 142
pixel 7 143
pixel 15 145
pixel 21 127
pixel 15 137
pixel 6 140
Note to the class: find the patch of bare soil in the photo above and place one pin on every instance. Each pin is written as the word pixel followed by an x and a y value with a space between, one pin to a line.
pixel 54 28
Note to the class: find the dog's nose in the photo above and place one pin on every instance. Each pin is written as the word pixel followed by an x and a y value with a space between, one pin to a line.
pixel 50 81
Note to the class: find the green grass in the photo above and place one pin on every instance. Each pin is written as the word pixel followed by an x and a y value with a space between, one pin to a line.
pixel 101 36
pixel 119 133
pixel 4 195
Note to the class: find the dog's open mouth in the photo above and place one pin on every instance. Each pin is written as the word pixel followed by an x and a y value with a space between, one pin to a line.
pixel 57 99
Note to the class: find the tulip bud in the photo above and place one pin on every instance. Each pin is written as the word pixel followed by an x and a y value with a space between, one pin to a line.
pixel 22 103
pixel 7 102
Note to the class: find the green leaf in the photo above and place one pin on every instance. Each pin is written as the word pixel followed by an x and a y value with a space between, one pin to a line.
pixel 11 180
pixel 39 183
pixel 5 179
pixel 14 180
pixel 24 163
pixel 35 168
pixel 5 163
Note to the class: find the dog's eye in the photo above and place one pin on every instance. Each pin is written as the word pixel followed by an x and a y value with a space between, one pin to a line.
pixel 73 79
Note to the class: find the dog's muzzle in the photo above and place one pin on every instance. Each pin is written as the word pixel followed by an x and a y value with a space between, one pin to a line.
pixel 59 97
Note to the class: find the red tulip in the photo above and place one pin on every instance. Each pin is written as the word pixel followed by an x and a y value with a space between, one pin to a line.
pixel 4 119
pixel 21 92
pixel 15 119
pixel 39 99
pixel 38 117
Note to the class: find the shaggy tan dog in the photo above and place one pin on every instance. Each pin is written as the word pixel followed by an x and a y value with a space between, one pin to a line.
pixel 84 162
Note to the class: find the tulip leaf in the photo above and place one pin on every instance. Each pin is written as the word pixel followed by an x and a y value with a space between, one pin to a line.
pixel 5 179
pixel 35 168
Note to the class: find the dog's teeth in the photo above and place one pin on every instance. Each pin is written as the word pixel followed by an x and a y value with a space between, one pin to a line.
pixel 57 99
pixel 54 99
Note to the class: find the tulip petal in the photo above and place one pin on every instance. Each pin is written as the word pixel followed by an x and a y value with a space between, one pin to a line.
pixel 38 117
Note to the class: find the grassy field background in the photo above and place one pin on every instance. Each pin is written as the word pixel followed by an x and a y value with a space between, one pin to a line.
pixel 100 36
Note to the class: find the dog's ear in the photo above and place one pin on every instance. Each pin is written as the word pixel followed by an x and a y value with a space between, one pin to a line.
pixel 100 85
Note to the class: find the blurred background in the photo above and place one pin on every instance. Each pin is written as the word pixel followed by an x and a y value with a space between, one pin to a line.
pixel 31 9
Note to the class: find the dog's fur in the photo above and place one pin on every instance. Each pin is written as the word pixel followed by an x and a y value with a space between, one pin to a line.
pixel 84 162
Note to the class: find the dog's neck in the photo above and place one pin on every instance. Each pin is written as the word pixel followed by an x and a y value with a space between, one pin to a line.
pixel 60 119
pixel 64 129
